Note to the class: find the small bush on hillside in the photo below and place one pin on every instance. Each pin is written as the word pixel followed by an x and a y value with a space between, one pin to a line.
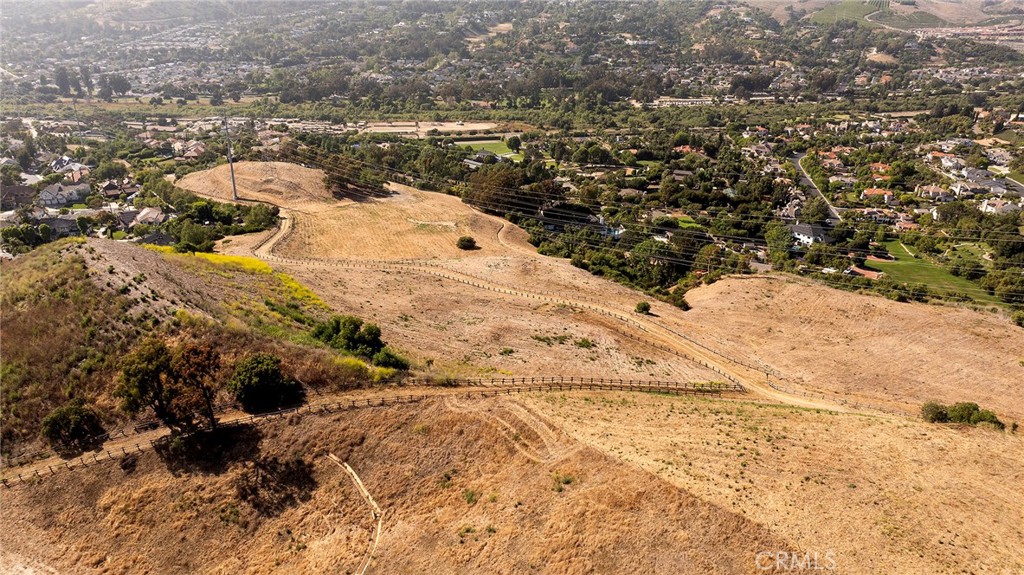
pixel 962 412
pixel 72 428
pixel 643 308
pixel 934 412
pixel 388 358
pixel 259 385
pixel 1018 318
pixel 466 243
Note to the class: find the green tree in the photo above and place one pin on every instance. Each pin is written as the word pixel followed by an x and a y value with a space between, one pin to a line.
pixel 643 308
pixel 779 240
pixel 815 211
pixel 259 385
pixel 144 382
pixel 72 428
pixel 351 334
pixel 513 143
pixel 63 81
pixel 10 175
pixel 179 385
pixel 466 243
pixel 388 358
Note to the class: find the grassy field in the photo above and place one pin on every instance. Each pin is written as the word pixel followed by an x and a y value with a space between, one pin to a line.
pixel 846 10
pixel 496 147
pixel 909 269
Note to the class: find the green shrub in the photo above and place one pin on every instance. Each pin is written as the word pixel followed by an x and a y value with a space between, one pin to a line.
pixel 259 385
pixel 962 412
pixel 643 308
pixel 934 412
pixel 986 416
pixel 72 428
pixel 349 333
pixel 388 358
pixel 1018 318
pixel 466 243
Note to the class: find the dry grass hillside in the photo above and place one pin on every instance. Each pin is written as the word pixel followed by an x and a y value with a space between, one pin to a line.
pixel 887 495
pixel 404 223
pixel 866 346
pixel 481 486
pixel 72 309
pixel 860 347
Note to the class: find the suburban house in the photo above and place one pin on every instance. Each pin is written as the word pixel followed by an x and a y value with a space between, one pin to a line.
pixel 560 215
pixel 61 226
pixel 934 193
pixel 808 234
pixel 67 164
pixel 965 189
pixel 869 193
pixel 150 216
pixel 998 206
pixel 59 195
pixel 13 197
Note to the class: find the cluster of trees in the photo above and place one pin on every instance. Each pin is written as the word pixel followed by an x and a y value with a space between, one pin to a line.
pixel 351 334
pixel 181 384
pixel 964 412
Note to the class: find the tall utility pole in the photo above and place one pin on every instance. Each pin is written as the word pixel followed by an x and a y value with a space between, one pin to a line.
pixel 231 163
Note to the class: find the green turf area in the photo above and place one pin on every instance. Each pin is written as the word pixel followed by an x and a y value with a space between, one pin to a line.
pixel 497 147
pixel 79 206
pixel 1010 136
pixel 908 269
pixel 119 235
pixel 686 222
pixel 854 10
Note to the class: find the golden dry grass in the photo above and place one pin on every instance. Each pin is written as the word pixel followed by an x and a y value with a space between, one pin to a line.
pixel 482 486
pixel 407 224
pixel 862 348
pixel 887 495
pixel 865 346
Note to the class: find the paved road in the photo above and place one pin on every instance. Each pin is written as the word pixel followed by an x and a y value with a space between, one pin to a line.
pixel 806 181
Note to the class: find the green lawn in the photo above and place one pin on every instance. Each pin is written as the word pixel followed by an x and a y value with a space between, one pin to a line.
pixel 686 222
pixel 79 206
pixel 497 147
pixel 1010 136
pixel 909 269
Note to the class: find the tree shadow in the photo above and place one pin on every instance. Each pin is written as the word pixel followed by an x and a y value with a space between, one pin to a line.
pixel 361 193
pixel 209 452
pixel 78 448
pixel 271 485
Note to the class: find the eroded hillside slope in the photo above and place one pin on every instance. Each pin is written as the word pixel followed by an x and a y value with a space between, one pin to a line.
pixel 469 486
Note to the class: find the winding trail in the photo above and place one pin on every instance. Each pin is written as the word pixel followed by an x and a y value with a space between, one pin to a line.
pixel 375 511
